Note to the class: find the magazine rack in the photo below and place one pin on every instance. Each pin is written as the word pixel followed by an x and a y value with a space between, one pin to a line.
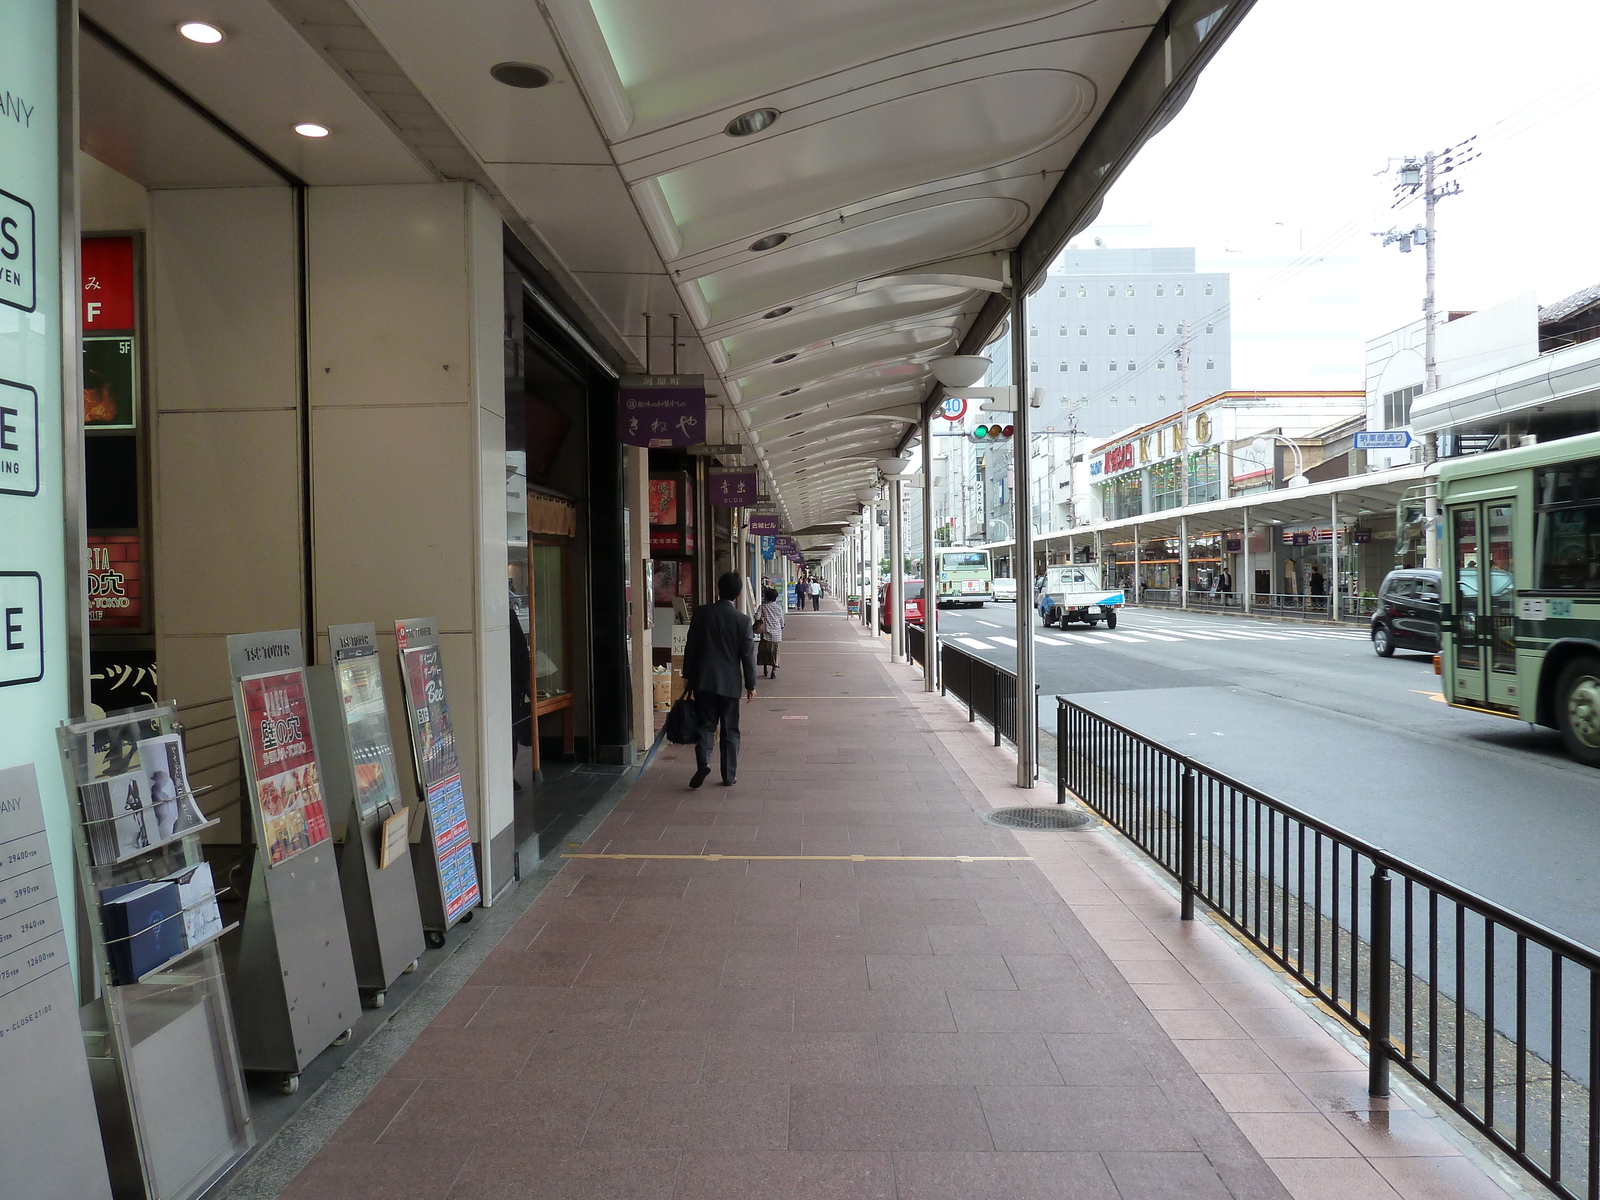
pixel 162 1051
pixel 295 984
pixel 362 783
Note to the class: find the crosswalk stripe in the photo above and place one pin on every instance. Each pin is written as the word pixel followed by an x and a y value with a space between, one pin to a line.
pixel 974 643
pixel 1122 637
pixel 990 624
pixel 1049 641
pixel 1004 641
pixel 1155 637
pixel 1097 639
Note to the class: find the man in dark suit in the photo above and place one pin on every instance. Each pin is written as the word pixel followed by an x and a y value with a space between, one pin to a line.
pixel 719 662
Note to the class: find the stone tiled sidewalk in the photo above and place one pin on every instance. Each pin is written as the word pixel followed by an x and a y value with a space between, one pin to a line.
pixel 800 987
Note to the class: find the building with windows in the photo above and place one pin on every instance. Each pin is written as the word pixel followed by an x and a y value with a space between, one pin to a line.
pixel 1104 331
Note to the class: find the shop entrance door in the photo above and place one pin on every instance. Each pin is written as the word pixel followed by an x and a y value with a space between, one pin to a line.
pixel 1484 604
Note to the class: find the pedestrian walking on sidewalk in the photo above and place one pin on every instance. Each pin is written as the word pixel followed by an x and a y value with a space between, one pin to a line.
pixel 1319 588
pixel 769 628
pixel 719 661
pixel 816 596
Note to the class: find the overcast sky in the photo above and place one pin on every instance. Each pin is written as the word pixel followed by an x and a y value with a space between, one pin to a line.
pixel 1271 166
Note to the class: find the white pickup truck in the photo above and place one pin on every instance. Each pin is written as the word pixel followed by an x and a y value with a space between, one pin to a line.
pixel 1073 593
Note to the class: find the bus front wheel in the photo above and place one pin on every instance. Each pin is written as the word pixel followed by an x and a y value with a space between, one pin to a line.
pixel 1578 709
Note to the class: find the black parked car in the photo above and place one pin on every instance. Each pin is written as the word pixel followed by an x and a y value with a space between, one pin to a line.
pixel 1407 615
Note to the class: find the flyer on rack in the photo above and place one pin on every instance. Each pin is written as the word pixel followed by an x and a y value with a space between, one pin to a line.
pixel 284 762
pixel 376 777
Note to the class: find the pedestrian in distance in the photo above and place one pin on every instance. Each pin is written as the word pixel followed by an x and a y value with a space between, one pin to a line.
pixel 1319 587
pixel 719 661
pixel 816 596
pixel 1227 587
pixel 769 628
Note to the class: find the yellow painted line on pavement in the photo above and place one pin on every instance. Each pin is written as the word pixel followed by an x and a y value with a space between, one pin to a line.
pixel 964 858
pixel 1430 695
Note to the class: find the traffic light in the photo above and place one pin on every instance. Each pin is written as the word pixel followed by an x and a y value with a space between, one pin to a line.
pixel 991 433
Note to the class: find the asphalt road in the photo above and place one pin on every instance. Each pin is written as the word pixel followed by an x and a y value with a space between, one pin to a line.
pixel 1310 715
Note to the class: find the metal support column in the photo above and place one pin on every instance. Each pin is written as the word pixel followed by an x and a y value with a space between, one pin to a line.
pixel 1027 725
pixel 869 593
pixel 1333 583
pixel 1138 572
pixel 930 565
pixel 1247 584
pixel 897 573
pixel 1183 562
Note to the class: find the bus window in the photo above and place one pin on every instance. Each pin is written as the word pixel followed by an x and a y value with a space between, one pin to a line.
pixel 1567 549
pixel 968 558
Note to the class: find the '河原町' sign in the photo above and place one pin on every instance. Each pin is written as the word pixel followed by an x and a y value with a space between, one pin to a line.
pixel 662 410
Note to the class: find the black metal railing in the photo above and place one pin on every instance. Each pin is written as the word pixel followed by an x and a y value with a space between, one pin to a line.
pixel 1492 1013
pixel 916 644
pixel 988 691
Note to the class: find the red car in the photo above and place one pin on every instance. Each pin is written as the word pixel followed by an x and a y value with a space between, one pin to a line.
pixel 914 613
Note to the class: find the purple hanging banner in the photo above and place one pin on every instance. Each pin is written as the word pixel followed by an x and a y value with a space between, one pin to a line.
pixel 733 487
pixel 662 410
pixel 765 524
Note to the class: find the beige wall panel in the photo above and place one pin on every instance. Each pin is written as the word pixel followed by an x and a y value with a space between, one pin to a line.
pixel 108 200
pixel 494 626
pixel 394 524
pixel 390 295
pixel 227 522
pixel 488 301
pixel 461 691
pixel 223 299
pixel 194 670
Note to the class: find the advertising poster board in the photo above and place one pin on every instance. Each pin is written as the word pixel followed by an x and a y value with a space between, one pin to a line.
pixel 283 762
pixel 377 779
pixel 438 771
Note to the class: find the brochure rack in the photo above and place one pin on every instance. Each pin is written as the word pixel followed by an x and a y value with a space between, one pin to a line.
pixel 163 1054
pixel 362 784
pixel 295 984
pixel 446 869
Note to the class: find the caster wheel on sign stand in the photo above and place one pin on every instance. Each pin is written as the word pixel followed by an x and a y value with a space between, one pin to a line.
pixel 342 1039
pixel 466 918
pixel 434 938
pixel 374 998
pixel 410 967
pixel 289 1084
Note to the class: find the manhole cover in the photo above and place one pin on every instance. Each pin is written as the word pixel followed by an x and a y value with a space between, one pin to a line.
pixel 1054 817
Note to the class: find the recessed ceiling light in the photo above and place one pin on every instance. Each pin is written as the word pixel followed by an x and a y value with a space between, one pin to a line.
pixel 520 74
pixel 771 242
pixel 796 433
pixel 199 31
pixel 792 416
pixel 311 130
pixel 784 311
pixel 790 392
pixel 753 121
pixel 782 358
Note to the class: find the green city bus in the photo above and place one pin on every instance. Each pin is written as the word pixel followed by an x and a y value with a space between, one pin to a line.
pixel 964 577
pixel 1520 610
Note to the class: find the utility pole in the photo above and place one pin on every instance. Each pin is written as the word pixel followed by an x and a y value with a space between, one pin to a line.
pixel 1424 173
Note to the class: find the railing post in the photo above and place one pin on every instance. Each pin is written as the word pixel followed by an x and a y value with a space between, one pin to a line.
pixel 1061 752
pixel 1186 851
pixel 994 697
pixel 1378 984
